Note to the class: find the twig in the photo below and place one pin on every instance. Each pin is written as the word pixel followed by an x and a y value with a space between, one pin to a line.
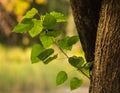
pixel 68 58
pixel 62 51
pixel 84 73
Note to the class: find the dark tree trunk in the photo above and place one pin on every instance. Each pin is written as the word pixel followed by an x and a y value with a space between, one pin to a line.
pixel 86 16
pixel 105 76
pixel 106 72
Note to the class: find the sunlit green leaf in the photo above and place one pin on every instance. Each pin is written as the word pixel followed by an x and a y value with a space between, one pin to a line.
pixel 61 77
pixel 36 50
pixel 49 21
pixel 46 40
pixel 75 83
pixel 37 28
pixel 31 13
pixel 24 26
pixel 59 16
pixel 50 59
pixel 42 18
pixel 45 54
pixel 76 61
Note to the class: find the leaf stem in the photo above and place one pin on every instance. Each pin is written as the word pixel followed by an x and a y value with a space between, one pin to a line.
pixel 68 58
pixel 84 73
pixel 62 50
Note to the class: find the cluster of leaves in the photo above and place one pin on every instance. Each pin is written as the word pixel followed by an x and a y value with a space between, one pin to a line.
pixel 44 28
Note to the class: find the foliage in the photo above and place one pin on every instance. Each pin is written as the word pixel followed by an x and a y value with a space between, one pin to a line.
pixel 61 78
pixel 75 83
pixel 45 28
pixel 67 42
pixel 76 61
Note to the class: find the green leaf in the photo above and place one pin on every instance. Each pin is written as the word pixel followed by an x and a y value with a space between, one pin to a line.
pixel 45 54
pixel 72 40
pixel 31 13
pixel 59 16
pixel 61 77
pixel 75 83
pixel 26 20
pixel 49 21
pixel 36 50
pixel 53 33
pixel 46 39
pixel 76 61
pixel 88 65
pixel 63 43
pixel 50 59
pixel 67 42
pixel 37 28
pixel 24 26
pixel 42 17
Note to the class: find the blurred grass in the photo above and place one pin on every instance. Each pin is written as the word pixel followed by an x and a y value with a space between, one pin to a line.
pixel 18 74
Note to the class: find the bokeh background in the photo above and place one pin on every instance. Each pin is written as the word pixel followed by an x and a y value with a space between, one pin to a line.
pixel 17 74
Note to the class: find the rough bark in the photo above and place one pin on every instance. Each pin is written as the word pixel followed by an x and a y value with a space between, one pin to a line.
pixel 86 16
pixel 106 71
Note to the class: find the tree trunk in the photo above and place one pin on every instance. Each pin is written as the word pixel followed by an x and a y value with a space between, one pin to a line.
pixel 106 71
pixel 105 76
pixel 86 16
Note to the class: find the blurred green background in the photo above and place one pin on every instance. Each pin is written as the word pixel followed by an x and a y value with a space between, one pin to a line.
pixel 17 74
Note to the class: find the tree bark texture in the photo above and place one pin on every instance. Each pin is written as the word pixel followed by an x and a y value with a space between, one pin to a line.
pixel 86 16
pixel 106 70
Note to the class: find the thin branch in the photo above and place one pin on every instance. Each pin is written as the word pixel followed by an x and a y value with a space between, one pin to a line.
pixel 84 73
pixel 68 58
pixel 62 50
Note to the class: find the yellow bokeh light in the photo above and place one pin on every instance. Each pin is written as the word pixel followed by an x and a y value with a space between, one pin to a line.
pixel 21 7
pixel 41 1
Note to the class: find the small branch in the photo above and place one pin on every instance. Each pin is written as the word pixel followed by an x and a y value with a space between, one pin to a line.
pixel 68 58
pixel 84 73
pixel 62 51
